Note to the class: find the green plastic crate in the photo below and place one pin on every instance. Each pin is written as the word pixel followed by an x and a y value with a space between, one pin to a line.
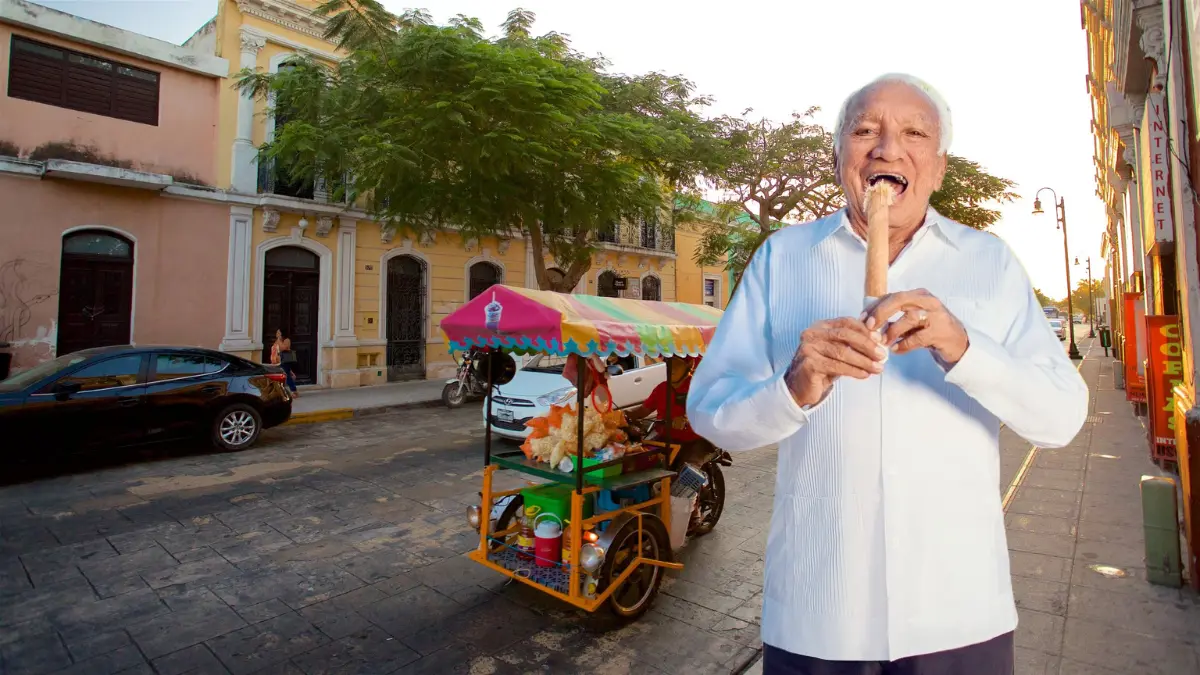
pixel 556 499
pixel 600 474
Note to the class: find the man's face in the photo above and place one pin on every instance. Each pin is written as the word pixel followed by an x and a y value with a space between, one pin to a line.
pixel 892 136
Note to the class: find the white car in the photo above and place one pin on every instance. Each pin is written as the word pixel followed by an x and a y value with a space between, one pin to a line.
pixel 1057 325
pixel 541 384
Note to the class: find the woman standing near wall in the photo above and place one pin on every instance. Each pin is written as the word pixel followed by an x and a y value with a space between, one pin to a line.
pixel 283 356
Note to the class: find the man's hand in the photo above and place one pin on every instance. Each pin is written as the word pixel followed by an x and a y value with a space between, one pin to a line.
pixel 926 324
pixel 828 350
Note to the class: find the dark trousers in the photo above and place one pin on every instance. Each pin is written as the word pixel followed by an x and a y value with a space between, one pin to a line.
pixel 994 657
pixel 291 376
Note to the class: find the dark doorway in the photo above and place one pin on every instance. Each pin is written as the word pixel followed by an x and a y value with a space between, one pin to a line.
pixel 405 318
pixel 95 304
pixel 483 276
pixel 651 289
pixel 606 285
pixel 290 304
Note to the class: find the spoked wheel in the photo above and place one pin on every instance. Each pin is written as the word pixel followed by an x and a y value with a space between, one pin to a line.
pixel 453 395
pixel 711 501
pixel 236 427
pixel 634 597
pixel 507 519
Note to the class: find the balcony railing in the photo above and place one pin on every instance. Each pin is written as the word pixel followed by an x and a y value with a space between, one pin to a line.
pixel 274 180
pixel 638 234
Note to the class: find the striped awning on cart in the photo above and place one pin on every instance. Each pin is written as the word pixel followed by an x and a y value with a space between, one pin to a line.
pixel 526 321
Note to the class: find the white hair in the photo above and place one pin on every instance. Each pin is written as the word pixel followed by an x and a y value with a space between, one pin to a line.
pixel 945 127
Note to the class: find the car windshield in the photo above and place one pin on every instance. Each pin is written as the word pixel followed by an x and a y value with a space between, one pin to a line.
pixel 42 370
pixel 543 363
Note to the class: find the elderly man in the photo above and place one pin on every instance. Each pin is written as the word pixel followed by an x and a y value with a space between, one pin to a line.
pixel 887 550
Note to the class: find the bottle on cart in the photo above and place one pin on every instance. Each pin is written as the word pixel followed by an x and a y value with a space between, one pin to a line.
pixel 525 538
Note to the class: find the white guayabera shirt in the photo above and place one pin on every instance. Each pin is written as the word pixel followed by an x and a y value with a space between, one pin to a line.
pixel 887 538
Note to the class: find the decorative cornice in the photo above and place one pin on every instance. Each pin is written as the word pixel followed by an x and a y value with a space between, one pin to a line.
pixel 503 244
pixel 252 41
pixel 428 238
pixel 287 14
pixel 324 225
pixel 386 234
pixel 1153 40
pixel 469 244
pixel 270 220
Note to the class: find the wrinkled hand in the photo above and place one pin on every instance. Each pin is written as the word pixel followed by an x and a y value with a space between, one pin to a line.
pixel 926 324
pixel 829 350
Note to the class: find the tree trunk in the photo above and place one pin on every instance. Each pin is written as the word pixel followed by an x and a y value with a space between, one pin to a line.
pixel 571 275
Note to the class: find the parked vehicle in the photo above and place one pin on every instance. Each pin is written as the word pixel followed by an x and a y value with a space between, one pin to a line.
pixel 116 396
pixel 540 385
pixel 466 383
pixel 1057 325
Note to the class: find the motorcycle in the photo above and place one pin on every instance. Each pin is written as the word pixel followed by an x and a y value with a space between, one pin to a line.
pixel 466 382
pixel 711 500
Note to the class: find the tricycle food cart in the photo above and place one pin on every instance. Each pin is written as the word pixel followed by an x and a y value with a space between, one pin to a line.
pixel 593 530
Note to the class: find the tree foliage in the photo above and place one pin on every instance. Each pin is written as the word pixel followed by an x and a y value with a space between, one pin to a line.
pixel 511 136
pixel 785 173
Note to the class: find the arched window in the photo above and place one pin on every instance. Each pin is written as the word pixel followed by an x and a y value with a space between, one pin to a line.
pixel 652 288
pixel 292 257
pixel 483 276
pixel 606 285
pixel 555 277
pixel 97 244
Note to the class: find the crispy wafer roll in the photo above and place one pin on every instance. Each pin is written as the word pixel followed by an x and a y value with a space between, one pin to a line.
pixel 877 200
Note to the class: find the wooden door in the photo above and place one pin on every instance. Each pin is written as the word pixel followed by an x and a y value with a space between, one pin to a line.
pixel 95 305
pixel 291 304
pixel 405 318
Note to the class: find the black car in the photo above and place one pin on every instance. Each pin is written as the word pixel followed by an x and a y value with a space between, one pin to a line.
pixel 115 396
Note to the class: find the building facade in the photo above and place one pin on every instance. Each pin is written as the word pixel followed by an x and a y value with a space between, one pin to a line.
pixel 97 131
pixel 1142 60
pixel 360 303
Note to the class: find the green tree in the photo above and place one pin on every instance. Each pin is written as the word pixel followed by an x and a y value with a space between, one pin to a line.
pixel 444 128
pixel 785 172
pixel 1080 298
pixel 1043 299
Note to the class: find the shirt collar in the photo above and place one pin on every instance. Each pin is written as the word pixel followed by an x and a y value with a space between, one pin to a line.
pixel 933 221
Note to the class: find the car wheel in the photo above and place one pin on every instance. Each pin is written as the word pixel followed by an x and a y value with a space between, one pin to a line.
pixel 236 427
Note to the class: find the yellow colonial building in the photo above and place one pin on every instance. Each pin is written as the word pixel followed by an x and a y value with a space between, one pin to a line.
pixel 361 304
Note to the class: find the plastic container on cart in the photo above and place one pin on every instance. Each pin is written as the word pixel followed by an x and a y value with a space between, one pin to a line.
pixel 599 474
pixel 554 498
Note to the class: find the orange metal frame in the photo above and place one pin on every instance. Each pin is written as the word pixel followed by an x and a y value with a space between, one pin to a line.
pixel 576 597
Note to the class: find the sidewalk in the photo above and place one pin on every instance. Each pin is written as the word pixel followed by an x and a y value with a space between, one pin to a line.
pixel 326 405
pixel 1077 553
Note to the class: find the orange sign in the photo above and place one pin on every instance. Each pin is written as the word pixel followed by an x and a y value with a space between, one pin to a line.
pixel 1135 382
pixel 1165 370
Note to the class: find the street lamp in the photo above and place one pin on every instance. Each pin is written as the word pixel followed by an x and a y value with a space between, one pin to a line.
pixel 1091 300
pixel 1060 208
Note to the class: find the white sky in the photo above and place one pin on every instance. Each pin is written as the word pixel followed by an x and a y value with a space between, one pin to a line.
pixel 1013 74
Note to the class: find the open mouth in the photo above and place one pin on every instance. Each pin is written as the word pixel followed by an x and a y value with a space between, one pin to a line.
pixel 899 183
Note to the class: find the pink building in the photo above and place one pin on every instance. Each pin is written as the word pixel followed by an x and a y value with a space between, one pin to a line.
pixel 110 231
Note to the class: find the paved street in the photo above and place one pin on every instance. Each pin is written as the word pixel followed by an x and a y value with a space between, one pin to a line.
pixel 337 548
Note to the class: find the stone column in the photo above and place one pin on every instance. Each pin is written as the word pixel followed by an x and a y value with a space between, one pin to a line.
pixel 343 329
pixel 244 176
pixel 237 281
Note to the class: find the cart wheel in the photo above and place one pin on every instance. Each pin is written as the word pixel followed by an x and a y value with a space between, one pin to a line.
pixel 634 597
pixel 712 501
pixel 506 518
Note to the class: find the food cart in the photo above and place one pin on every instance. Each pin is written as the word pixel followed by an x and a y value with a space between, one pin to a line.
pixel 612 511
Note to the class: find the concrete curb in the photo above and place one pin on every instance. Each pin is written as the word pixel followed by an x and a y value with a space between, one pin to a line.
pixel 339 414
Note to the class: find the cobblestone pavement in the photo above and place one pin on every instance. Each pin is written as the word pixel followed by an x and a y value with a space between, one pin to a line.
pixel 335 548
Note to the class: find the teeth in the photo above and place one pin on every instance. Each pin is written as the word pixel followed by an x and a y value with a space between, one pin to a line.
pixel 876 177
